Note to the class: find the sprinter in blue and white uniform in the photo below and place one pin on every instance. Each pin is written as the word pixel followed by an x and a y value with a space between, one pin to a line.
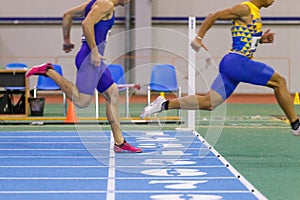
pixel 92 71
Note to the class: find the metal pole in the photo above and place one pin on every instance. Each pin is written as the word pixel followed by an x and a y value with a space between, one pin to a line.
pixel 191 70
pixel 128 42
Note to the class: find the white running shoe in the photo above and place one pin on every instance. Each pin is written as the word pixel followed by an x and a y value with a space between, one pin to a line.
pixel 154 107
pixel 296 132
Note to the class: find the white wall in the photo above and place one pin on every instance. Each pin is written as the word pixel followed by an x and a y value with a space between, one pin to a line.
pixel 203 7
pixel 36 8
pixel 55 8
pixel 34 44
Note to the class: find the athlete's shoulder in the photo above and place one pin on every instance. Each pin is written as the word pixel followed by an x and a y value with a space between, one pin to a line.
pixel 77 11
pixel 250 5
pixel 105 6
pixel 241 8
pixel 105 3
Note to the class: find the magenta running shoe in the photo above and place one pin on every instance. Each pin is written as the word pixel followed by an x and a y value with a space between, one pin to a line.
pixel 126 148
pixel 39 70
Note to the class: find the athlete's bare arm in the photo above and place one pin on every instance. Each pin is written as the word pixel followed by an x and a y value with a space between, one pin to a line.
pixel 239 13
pixel 67 24
pixel 102 9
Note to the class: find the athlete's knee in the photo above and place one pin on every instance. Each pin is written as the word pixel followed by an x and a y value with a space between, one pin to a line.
pixel 114 98
pixel 210 107
pixel 210 101
pixel 82 102
pixel 281 81
pixel 278 81
pixel 205 103
pixel 112 95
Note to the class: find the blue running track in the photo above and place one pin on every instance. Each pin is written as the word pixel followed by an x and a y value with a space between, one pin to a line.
pixel 175 165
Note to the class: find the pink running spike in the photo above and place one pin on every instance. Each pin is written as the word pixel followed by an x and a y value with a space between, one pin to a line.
pixel 39 70
pixel 127 148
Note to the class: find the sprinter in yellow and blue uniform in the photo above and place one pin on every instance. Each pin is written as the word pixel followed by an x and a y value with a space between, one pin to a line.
pixel 246 37
pixel 236 66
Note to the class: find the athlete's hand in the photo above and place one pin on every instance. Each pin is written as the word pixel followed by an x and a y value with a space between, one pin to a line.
pixel 197 44
pixel 68 47
pixel 267 37
pixel 96 57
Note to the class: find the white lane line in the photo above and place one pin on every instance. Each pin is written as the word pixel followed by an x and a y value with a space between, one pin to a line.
pixel 53 178
pixel 188 192
pixel 123 178
pixel 140 155
pixel 125 191
pixel 242 179
pixel 54 192
pixel 53 166
pixel 127 166
pixel 37 136
pixel 33 149
pixel 110 195
pixel 53 157
pixel 52 142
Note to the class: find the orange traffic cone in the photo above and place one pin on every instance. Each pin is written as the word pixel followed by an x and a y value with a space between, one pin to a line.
pixel 71 115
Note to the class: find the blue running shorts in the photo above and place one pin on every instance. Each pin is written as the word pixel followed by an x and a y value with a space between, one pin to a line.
pixel 90 76
pixel 235 68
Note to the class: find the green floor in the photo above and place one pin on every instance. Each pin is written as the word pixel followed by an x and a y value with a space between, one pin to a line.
pixel 260 147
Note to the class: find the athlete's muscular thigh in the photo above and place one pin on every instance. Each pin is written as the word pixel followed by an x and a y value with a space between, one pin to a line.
pixel 276 81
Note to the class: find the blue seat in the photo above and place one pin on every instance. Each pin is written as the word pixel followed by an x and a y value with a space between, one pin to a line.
pixel 47 84
pixel 163 79
pixel 117 72
pixel 16 66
